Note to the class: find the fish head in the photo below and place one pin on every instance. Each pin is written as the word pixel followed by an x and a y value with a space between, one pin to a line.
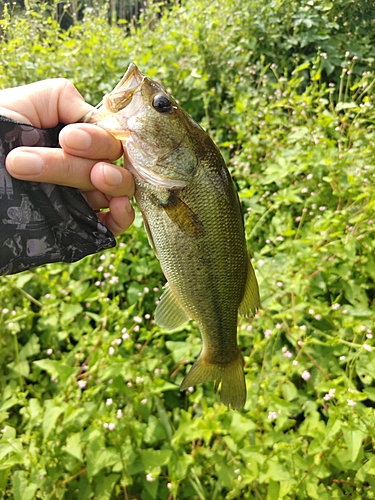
pixel 159 137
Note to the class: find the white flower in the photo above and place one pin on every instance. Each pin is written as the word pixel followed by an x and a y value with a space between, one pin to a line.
pixel 268 334
pixel 137 319
pixel 367 347
pixel 119 413
pixel 111 350
pixel 351 402
pixel 306 375
pixel 336 306
pixel 272 415
pixel 149 477
pixel 109 401
pixel 330 394
pixel 82 384
pixel 111 427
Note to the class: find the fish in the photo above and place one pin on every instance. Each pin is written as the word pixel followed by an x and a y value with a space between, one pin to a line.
pixel 193 218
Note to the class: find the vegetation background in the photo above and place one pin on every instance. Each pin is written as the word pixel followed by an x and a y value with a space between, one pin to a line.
pixel 90 406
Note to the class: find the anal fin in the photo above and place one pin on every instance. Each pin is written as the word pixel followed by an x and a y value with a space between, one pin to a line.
pixel 169 313
pixel 251 300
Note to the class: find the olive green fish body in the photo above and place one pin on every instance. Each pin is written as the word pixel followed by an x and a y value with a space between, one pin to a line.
pixel 194 223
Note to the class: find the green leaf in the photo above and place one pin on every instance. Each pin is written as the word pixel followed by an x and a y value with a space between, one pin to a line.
pixel 155 458
pixel 353 439
pixel 225 474
pixel 51 415
pixel 346 105
pixel 57 369
pixel 69 311
pixel 31 348
pixel 104 486
pixel 98 455
pixel 23 490
pixel 73 446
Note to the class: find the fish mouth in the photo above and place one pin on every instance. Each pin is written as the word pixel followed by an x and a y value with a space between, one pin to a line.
pixel 123 102
pixel 122 95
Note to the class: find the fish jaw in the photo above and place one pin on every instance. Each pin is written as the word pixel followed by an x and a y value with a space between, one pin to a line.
pixel 117 107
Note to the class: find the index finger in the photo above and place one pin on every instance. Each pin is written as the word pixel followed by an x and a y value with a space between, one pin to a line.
pixel 89 141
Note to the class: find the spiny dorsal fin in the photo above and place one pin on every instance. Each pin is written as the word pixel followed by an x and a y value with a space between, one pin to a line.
pixel 169 314
pixel 251 300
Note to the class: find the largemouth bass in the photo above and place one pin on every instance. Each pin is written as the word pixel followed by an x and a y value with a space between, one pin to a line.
pixel 194 222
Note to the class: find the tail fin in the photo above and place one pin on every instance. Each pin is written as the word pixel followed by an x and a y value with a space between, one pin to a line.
pixel 231 377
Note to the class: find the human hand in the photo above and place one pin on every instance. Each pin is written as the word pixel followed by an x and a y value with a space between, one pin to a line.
pixel 86 150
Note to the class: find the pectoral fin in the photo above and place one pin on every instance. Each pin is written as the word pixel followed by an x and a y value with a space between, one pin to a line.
pixel 149 234
pixel 169 314
pixel 251 300
pixel 183 216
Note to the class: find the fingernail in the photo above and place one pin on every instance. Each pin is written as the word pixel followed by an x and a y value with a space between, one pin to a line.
pixel 77 139
pixel 128 205
pixel 112 176
pixel 24 163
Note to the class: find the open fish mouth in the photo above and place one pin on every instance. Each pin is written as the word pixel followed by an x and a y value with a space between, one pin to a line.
pixel 122 95
pixel 125 97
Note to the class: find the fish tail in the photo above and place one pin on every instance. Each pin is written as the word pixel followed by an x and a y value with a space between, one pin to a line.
pixel 230 375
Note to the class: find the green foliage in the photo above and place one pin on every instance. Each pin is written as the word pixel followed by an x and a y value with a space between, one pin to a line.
pixel 90 405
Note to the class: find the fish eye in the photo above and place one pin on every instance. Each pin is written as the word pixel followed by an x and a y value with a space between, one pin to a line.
pixel 161 103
